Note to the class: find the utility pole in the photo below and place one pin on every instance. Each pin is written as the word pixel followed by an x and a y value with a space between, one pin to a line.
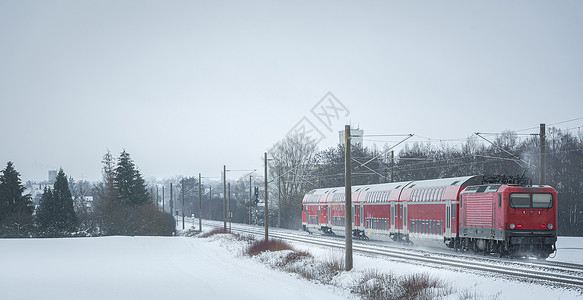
pixel 348 202
pixel 199 204
pixel 266 206
pixel 225 197
pixel 229 206
pixel 250 201
pixel 182 203
pixel 543 155
pixel 171 201
pixel 278 201
pixel 157 198
pixel 392 166
pixel 163 204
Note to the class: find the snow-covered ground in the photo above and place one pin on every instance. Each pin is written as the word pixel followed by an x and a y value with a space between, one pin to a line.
pixel 569 249
pixel 197 268
pixel 141 268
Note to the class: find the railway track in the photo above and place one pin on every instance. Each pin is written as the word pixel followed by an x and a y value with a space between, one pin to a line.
pixel 544 272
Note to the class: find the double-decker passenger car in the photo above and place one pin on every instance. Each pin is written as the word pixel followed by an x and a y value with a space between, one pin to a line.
pixel 502 215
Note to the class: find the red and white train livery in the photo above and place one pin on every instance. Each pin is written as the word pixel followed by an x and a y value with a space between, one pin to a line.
pixel 505 216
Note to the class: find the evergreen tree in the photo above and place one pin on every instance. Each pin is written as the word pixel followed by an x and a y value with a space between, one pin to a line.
pixel 128 182
pixel 56 215
pixel 45 212
pixel 15 208
pixel 124 206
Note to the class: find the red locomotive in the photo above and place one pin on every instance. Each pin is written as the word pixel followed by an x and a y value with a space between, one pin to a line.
pixel 503 215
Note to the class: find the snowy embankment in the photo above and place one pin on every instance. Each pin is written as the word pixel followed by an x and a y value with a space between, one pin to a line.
pixel 141 268
pixel 215 268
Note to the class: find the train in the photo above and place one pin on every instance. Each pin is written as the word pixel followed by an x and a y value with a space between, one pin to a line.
pixel 502 215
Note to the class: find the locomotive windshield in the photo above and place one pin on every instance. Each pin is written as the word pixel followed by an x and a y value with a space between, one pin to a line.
pixel 526 200
pixel 542 200
pixel 520 200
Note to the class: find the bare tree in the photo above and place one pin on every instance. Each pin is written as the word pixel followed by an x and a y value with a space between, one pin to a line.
pixel 291 164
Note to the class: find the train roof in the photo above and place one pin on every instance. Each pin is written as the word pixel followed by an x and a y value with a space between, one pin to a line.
pixel 453 181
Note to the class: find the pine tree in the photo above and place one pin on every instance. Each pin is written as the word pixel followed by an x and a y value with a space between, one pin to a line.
pixel 128 182
pixel 45 212
pixel 15 208
pixel 56 215
pixel 108 172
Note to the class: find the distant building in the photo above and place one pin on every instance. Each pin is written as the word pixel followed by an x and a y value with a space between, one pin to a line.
pixel 356 136
pixel 52 176
pixel 37 189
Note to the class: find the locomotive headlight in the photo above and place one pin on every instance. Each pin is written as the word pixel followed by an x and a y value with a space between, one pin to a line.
pixel 512 226
pixel 550 226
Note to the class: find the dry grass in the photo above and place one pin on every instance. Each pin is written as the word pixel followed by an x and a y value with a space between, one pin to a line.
pixel 218 230
pixel 377 285
pixel 334 263
pixel 258 247
pixel 473 295
pixel 422 286
pixel 296 256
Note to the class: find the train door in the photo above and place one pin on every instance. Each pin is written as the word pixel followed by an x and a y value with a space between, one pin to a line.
pixel 357 215
pixel 362 220
pixel 400 216
pixel 329 215
pixel 392 215
pixel 405 222
pixel 448 218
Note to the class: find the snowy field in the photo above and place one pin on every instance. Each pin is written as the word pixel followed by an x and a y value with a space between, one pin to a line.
pixel 140 268
pixel 196 268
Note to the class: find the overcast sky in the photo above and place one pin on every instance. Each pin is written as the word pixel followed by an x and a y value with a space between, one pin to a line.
pixel 188 86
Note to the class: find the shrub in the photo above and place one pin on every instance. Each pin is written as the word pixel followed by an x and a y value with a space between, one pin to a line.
pixel 137 220
pixel 218 230
pixel 334 263
pixel 473 295
pixel 377 285
pixel 415 285
pixel 267 245
pixel 296 256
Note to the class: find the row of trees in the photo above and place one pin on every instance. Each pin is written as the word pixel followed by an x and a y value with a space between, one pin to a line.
pixel 297 167
pixel 55 215
pixel 121 206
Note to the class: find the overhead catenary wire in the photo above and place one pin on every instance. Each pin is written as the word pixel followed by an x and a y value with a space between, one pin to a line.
pixel 424 165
